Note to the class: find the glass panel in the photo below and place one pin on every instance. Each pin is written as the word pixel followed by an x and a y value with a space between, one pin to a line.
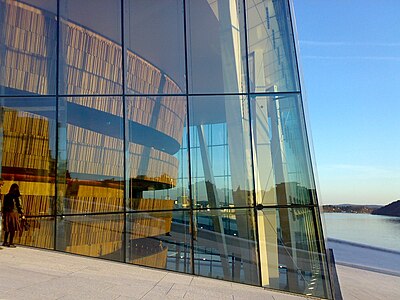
pixel 283 165
pixel 216 47
pixel 157 153
pixel 220 152
pixel 272 61
pixel 155 47
pixel 159 240
pixel 28 152
pixel 40 233
pixel 28 47
pixel 225 246
pixel 91 157
pixel 92 235
pixel 90 47
pixel 290 255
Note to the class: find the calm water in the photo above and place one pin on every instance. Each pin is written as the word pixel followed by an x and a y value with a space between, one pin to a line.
pixel 378 231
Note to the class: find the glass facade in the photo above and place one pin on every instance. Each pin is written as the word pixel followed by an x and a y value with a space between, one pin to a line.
pixel 163 133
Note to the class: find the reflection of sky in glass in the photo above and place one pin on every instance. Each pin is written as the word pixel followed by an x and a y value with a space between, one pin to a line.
pixel 216 139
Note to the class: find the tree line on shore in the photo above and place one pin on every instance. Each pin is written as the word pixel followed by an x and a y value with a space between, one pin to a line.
pixel 392 209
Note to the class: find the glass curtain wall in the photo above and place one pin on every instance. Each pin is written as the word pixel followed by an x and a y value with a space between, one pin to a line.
pixel 163 133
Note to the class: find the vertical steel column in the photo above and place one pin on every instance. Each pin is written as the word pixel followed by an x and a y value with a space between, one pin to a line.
pixel 252 151
pixel 192 227
pixel 125 135
pixel 55 204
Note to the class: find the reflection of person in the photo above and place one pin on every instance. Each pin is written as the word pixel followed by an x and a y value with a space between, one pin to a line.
pixel 11 210
pixel 1 185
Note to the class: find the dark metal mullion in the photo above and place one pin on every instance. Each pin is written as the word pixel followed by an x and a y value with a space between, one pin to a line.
pixel 125 135
pixel 57 128
pixel 158 210
pixel 78 214
pixel 188 141
pixel 31 96
pixel 288 206
pixel 255 211
pixel 270 94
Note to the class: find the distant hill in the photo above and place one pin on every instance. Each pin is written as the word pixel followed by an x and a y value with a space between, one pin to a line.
pixel 373 206
pixel 351 208
pixel 392 209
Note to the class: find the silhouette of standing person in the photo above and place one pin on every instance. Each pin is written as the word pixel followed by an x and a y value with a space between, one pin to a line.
pixel 11 210
pixel 1 185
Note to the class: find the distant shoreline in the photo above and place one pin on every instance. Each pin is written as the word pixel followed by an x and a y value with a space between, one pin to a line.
pixel 392 209
pixel 350 208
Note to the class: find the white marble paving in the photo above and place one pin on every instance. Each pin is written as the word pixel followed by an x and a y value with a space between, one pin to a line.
pixel 28 273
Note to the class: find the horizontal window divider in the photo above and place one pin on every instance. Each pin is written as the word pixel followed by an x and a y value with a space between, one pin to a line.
pixel 89 95
pixel 222 207
pixel 120 95
pixel 287 206
pixel 216 94
pixel 263 206
pixel 28 96
pixel 154 95
pixel 275 93
pixel 90 214
pixel 176 210
pixel 157 210
pixel 38 216
pixel 157 238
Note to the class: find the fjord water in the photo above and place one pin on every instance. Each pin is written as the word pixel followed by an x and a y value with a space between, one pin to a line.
pixel 371 230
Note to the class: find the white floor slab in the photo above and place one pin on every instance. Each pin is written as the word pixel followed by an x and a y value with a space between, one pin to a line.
pixel 28 273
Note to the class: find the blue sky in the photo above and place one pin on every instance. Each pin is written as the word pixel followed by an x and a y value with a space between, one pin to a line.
pixel 350 59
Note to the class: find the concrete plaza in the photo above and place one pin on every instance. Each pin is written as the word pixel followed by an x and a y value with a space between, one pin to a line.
pixel 28 273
